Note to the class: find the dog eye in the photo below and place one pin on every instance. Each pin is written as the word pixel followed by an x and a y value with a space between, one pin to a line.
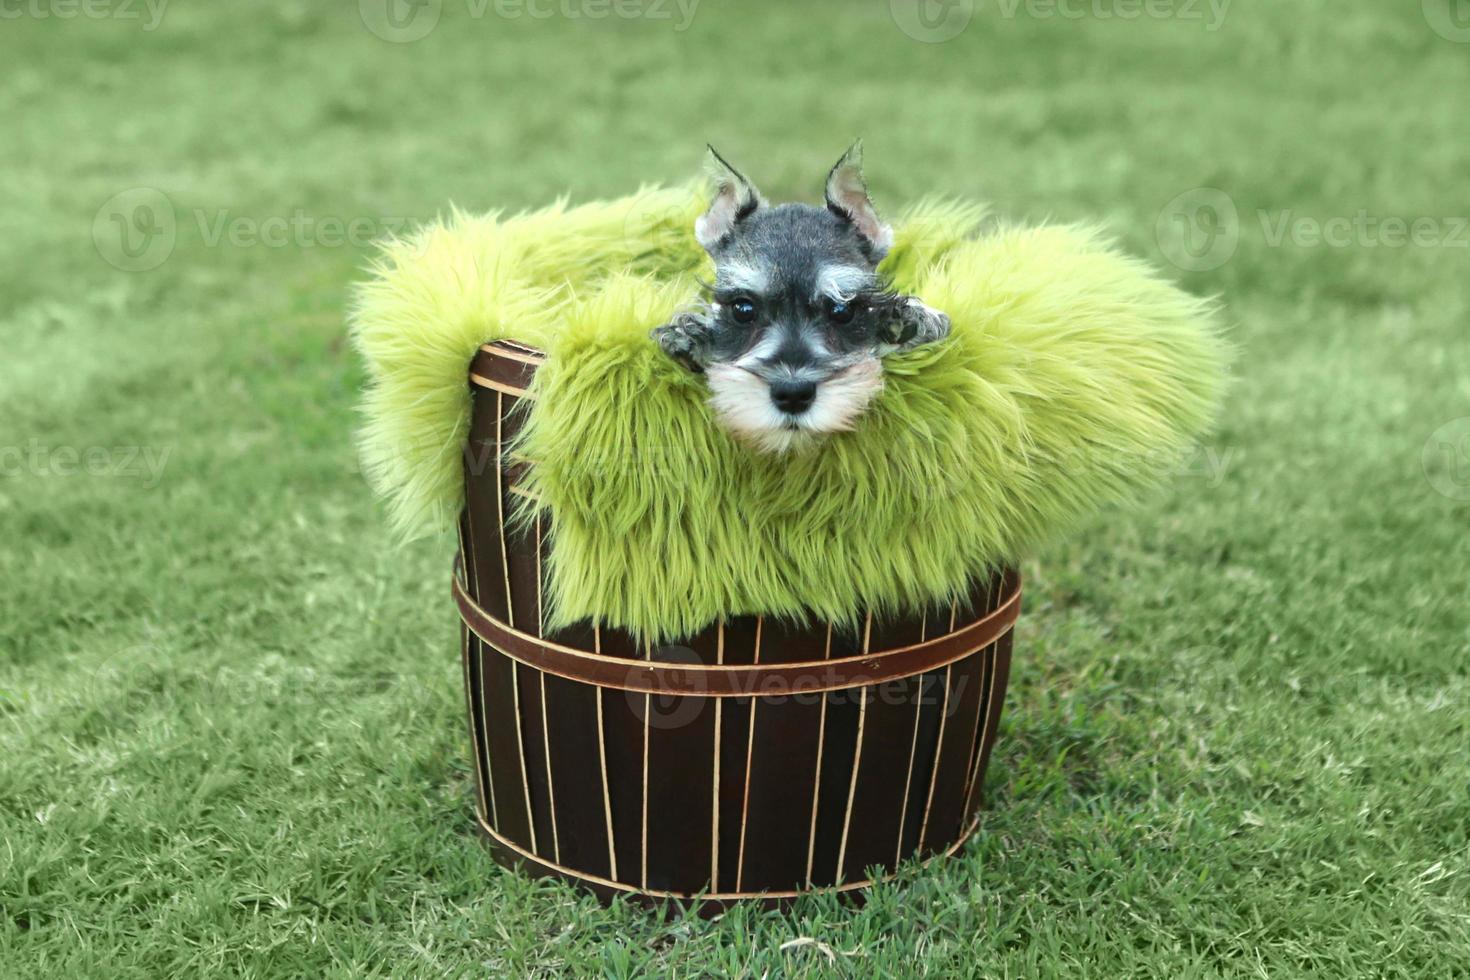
pixel 742 308
pixel 839 311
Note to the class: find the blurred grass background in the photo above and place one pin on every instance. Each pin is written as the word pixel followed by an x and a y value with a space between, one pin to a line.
pixel 230 707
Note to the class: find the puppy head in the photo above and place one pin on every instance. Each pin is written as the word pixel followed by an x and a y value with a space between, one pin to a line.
pixel 798 316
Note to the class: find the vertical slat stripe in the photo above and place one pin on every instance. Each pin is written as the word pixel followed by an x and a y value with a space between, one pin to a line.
pixel 485 730
pixel 476 736
pixel 857 760
pixel 472 578
pixel 510 614
pixel 643 870
pixel 612 850
pixel 550 786
pixel 469 564
pixel 857 757
pixel 545 724
pixel 481 804
pixel 745 799
pixel 811 844
pixel 982 717
pixel 908 778
pixel 987 669
pixel 510 611
pixel 647 732
pixel 515 689
pixel 976 734
pixel 749 756
pixel 601 751
pixel 714 804
pixel 938 753
pixel 540 586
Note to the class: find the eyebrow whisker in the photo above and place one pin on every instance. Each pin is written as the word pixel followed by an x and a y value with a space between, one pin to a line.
pixel 843 282
pixel 732 276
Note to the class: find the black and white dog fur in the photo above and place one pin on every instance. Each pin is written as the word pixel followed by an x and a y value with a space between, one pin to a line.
pixel 797 319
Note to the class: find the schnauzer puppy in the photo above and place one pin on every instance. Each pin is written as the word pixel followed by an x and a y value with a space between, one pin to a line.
pixel 797 318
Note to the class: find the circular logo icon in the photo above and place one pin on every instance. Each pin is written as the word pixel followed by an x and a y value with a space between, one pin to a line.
pixel 400 21
pixel 1450 19
pixel 1199 230
pixel 1446 459
pixel 113 681
pixel 136 230
pixel 655 221
pixel 932 21
pixel 670 711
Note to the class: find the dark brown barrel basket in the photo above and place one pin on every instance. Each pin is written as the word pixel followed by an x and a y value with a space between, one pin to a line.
pixel 756 759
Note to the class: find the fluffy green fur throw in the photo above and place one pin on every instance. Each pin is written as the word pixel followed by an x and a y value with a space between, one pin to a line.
pixel 1073 378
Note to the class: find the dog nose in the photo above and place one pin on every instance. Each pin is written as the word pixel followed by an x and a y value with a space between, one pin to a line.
pixel 793 397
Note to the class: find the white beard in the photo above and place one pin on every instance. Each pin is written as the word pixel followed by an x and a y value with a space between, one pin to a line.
pixel 742 403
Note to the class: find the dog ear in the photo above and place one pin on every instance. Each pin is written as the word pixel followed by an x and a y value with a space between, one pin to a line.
pixel 735 199
pixel 847 197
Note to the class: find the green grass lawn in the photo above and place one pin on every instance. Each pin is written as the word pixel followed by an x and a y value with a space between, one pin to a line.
pixel 230 706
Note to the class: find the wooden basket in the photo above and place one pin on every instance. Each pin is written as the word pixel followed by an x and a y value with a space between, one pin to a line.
pixel 754 760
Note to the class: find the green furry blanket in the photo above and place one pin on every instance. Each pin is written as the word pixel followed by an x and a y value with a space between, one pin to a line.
pixel 1073 378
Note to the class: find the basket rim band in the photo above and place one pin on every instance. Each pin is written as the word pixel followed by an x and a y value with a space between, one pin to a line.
pixel 545 865
pixel 739 680
pixel 507 367
pixel 515 350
